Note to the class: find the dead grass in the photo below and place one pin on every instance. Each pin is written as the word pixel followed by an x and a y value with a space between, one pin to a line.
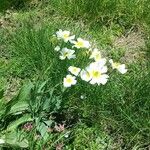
pixel 133 43
pixel 13 85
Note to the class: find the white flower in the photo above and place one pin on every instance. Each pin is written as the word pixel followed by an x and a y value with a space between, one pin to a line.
pixel 80 43
pixel 65 35
pixel 67 134
pixel 74 70
pixel 85 75
pixel 57 48
pixel 97 72
pixel 2 141
pixel 120 67
pixel 67 53
pixel 83 97
pixel 99 63
pixel 69 80
pixel 96 55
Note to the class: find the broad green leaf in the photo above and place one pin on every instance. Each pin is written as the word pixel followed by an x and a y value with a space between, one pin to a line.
pixel 18 108
pixel 14 139
pixel 25 91
pixel 42 128
pixel 48 122
pixel 13 125
pixel 19 103
pixel 46 104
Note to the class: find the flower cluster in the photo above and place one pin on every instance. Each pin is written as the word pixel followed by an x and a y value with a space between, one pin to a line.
pixel 95 72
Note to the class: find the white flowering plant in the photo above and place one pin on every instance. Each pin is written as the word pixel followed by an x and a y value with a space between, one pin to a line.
pixel 78 67
pixel 86 62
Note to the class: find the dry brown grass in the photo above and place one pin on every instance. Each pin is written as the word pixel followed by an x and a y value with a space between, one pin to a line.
pixel 133 43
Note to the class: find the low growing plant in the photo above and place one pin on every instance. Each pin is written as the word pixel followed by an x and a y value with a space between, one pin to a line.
pixel 36 106
pixel 31 110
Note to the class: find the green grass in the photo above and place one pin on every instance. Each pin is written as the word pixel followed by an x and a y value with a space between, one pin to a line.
pixel 104 12
pixel 115 115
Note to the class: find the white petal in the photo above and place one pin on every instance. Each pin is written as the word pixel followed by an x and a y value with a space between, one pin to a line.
pixel 102 62
pixel 93 81
pixel 104 69
pixel 74 70
pixel 66 40
pixel 64 50
pixel 87 44
pixel 103 79
pixel 2 141
pixel 66 84
pixel 122 69
pixel 62 57
pixel 85 76
pixel 66 32
pixel 111 61
pixel 71 38
pixel 79 39
pixel 71 56
pixel 59 33
pixel 74 82
pixel 71 51
pixel 57 48
pixel 73 42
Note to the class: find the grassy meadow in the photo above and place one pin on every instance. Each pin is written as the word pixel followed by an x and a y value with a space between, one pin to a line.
pixel 37 110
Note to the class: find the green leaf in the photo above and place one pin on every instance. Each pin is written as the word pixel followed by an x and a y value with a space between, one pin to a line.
pixel 12 126
pixel 52 104
pixel 41 86
pixel 25 91
pixel 42 128
pixel 20 102
pixel 14 139
pixel 18 108
pixel 1 94
pixel 46 104
pixel 48 122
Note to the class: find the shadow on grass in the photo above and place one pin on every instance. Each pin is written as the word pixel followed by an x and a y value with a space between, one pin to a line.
pixel 16 4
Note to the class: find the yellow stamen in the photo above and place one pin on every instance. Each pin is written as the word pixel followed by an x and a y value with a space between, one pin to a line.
pixel 66 54
pixel 116 65
pixel 97 57
pixel 80 44
pixel 66 36
pixel 96 74
pixel 68 80
pixel 75 70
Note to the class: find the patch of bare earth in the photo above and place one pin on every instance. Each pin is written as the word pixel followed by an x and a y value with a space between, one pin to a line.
pixel 133 43
pixel 13 85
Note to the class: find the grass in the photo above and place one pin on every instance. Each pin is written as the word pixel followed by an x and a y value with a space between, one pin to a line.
pixel 103 12
pixel 114 116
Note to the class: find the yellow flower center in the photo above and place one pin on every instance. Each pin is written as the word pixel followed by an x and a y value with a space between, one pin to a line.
pixel 98 57
pixel 66 36
pixel 74 69
pixel 80 44
pixel 116 65
pixel 68 80
pixel 96 74
pixel 66 54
